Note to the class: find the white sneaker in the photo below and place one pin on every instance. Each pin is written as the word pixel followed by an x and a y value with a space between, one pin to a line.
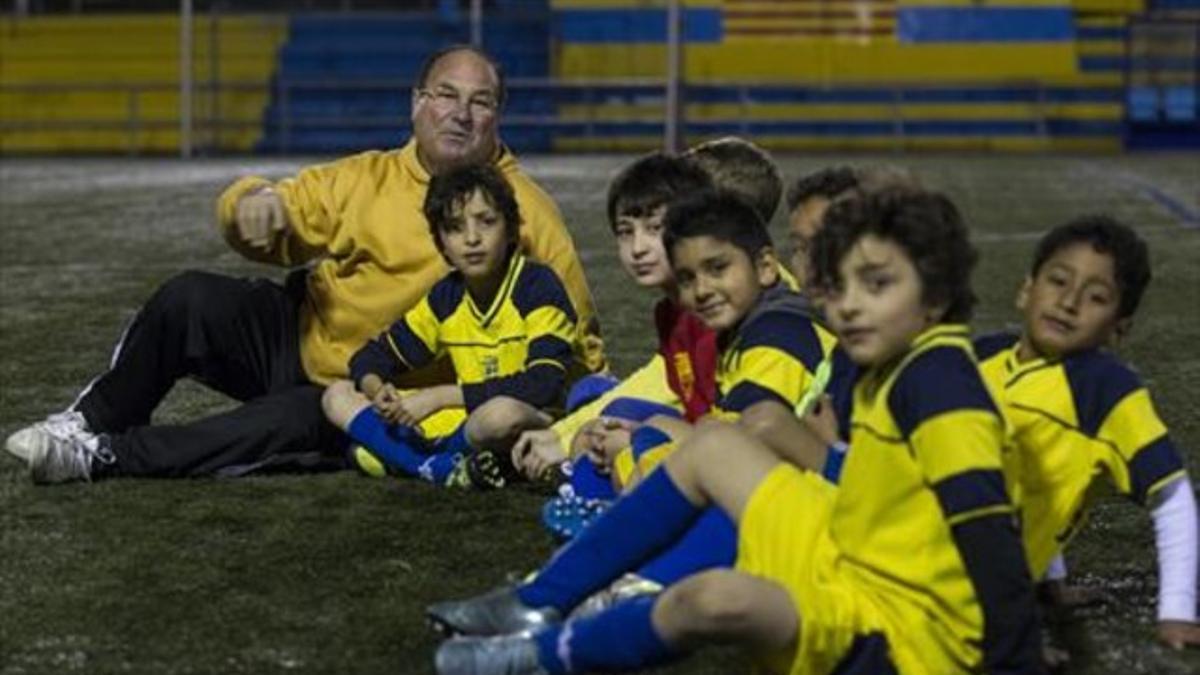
pixel 55 456
pixel 66 424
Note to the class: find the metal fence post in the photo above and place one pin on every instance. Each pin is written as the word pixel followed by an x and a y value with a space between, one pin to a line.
pixel 186 85
pixel 744 109
pixel 672 133
pixel 135 121
pixel 285 116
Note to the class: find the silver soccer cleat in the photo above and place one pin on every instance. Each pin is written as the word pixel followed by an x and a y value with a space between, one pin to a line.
pixel 628 586
pixel 498 612
pixel 504 655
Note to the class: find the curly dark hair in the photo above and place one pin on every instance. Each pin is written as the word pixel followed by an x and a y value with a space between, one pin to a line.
pixel 828 183
pixel 449 191
pixel 1107 235
pixel 926 225
pixel 720 215
pixel 651 181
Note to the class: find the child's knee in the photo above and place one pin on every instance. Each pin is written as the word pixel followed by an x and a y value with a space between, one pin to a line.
pixel 341 402
pixel 499 419
pixel 710 604
pixel 710 442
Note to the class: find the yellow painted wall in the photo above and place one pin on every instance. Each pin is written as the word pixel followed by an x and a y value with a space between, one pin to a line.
pixel 823 61
pixel 130 62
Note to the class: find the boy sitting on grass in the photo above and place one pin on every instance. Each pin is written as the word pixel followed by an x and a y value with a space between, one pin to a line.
pixel 912 565
pixel 681 378
pixel 1079 414
pixel 504 321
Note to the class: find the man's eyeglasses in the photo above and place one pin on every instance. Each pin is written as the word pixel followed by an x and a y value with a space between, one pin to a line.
pixel 449 99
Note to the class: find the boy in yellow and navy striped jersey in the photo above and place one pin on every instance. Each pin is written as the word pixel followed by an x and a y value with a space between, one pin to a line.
pixel 1079 414
pixel 505 323
pixel 913 564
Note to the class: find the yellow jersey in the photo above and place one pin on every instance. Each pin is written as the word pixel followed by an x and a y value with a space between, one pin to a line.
pixel 360 221
pixel 922 522
pixel 519 346
pixel 1074 421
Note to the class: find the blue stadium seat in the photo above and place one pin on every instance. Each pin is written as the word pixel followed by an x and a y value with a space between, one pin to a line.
pixel 376 56
pixel 1180 104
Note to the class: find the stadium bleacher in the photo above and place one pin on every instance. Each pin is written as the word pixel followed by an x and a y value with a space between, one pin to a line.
pixel 588 75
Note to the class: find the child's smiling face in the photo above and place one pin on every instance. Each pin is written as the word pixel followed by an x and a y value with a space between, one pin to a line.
pixel 1071 304
pixel 718 281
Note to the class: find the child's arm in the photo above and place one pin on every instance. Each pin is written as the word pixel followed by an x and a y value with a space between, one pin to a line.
pixel 1149 468
pixel 793 439
pixel 1175 536
pixel 539 385
pixel 550 332
pixel 956 435
pixel 414 407
pixel 407 344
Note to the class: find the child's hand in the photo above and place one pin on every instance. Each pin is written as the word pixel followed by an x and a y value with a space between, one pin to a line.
pixel 537 452
pixel 415 407
pixel 603 438
pixel 386 402
pixel 822 421
pixel 1179 634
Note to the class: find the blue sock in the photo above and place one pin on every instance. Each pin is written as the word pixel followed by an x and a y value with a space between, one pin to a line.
pixel 637 526
pixel 620 638
pixel 712 542
pixel 400 447
pixel 454 443
pixel 590 483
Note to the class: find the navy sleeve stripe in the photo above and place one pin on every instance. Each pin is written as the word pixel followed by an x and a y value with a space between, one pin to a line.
pixel 868 654
pixel 647 438
pixel 374 359
pixel 988 346
pixel 1098 383
pixel 539 286
pixel 415 353
pixel 991 551
pixel 1152 464
pixel 636 409
pixel 787 331
pixel 841 389
pixel 970 491
pixel 937 381
pixel 540 386
pixel 446 295
pixel 746 394
pixel 549 347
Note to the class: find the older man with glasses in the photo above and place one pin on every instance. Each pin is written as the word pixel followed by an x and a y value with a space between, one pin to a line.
pixel 355 230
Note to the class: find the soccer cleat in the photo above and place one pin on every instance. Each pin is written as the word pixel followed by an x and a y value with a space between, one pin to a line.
pixel 497 612
pixel 479 470
pixel 628 586
pixel 366 462
pixel 58 457
pixel 504 655
pixel 567 514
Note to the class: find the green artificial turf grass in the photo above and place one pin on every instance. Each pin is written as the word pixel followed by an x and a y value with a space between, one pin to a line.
pixel 330 573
